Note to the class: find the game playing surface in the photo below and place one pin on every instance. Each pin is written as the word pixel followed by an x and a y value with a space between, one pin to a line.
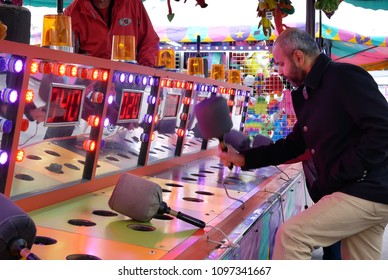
pixel 86 227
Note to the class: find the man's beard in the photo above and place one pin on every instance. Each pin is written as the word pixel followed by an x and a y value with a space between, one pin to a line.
pixel 296 77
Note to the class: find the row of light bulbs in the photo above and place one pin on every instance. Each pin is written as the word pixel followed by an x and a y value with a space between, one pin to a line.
pixel 15 64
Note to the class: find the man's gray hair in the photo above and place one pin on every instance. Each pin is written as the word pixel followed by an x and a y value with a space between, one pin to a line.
pixel 296 39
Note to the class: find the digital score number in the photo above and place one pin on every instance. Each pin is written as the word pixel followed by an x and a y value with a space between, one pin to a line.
pixel 64 105
pixel 171 105
pixel 130 106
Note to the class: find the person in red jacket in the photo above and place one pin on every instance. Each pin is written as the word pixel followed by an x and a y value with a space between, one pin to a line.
pixel 94 22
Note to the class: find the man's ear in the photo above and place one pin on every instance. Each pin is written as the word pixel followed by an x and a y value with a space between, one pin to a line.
pixel 298 56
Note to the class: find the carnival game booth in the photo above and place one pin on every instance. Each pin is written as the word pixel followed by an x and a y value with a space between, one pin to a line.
pixel 103 119
pixel 241 38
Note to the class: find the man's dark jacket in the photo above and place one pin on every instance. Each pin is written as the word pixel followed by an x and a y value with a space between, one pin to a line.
pixel 343 121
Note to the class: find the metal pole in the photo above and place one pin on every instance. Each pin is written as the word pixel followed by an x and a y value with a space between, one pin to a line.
pixel 310 17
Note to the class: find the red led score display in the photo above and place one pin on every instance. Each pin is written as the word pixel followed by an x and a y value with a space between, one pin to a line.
pixel 130 106
pixel 171 105
pixel 64 105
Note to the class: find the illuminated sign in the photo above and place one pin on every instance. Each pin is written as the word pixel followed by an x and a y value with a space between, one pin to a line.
pixel 171 105
pixel 130 106
pixel 64 105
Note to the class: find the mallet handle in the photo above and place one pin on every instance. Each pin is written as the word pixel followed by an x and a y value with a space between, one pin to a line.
pixel 224 148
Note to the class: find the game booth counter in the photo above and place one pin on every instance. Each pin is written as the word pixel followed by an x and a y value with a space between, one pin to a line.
pixel 105 119
pixel 116 168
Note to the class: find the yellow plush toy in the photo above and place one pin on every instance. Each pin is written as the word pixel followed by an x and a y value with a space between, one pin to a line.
pixel 3 30
pixel 265 5
pixel 265 10
pixel 274 9
pixel 267 26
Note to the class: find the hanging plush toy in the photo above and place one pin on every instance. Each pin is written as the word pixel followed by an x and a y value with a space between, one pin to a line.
pixel 265 10
pixel 273 9
pixel 327 6
pixel 201 3
pixel 171 15
pixel 283 9
pixel 267 26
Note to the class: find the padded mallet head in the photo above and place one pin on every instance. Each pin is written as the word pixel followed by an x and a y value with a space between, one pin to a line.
pixel 213 117
pixel 136 197
pixel 141 199
pixel 15 225
pixel 238 140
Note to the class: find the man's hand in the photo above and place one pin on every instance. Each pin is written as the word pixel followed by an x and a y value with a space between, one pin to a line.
pixel 230 156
